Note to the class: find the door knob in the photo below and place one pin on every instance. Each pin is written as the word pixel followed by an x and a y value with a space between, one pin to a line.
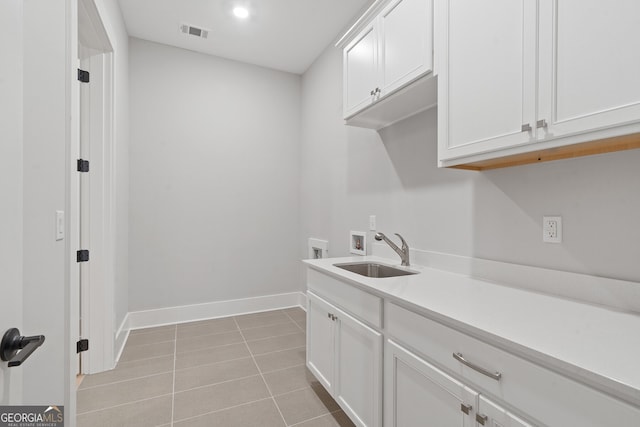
pixel 16 348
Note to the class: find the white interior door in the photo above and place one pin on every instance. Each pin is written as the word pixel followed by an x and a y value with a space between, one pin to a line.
pixel 10 187
pixel 37 121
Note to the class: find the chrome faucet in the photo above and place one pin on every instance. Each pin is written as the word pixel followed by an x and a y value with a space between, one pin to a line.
pixel 404 252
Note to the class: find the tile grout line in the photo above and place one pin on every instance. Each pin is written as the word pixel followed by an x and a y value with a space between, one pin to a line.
pixel 124 381
pixel 294 321
pixel 218 383
pixel 202 365
pixel 122 404
pixel 173 388
pixel 121 362
pixel 223 409
pixel 315 418
pixel 261 375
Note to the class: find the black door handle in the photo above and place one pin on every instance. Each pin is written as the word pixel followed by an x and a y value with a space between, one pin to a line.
pixel 16 348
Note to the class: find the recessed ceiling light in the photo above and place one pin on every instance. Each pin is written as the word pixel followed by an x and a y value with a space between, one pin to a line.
pixel 241 12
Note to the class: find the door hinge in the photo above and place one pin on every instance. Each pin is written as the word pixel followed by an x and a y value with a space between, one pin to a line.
pixel 82 345
pixel 83 165
pixel 82 255
pixel 83 76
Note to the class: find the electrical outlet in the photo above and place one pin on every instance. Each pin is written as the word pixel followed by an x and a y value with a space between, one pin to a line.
pixel 372 223
pixel 552 229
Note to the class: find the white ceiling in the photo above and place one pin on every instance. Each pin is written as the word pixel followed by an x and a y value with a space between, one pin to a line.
pixel 286 35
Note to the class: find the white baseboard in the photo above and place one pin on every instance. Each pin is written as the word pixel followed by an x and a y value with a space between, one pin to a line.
pixel 302 300
pixel 212 310
pixel 121 338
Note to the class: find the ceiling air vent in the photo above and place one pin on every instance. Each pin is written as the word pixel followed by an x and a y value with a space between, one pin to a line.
pixel 194 31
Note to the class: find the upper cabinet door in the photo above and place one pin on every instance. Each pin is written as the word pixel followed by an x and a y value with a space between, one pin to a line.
pixel 406 43
pixel 589 65
pixel 487 76
pixel 360 63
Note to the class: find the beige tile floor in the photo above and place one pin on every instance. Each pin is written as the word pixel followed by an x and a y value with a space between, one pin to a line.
pixel 238 371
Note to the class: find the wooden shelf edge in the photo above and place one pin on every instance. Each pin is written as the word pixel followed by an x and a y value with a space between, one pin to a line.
pixel 601 146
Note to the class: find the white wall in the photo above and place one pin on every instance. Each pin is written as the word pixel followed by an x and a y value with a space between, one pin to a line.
pixel 11 186
pixel 349 173
pixel 114 25
pixel 214 178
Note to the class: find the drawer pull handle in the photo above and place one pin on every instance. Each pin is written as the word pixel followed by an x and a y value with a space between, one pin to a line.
pixel 481 419
pixel 493 375
pixel 465 408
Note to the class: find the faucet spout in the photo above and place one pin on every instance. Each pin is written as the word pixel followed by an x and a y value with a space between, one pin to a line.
pixel 403 253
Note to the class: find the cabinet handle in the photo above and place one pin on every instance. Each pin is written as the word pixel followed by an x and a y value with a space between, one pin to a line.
pixel 378 90
pixel 526 127
pixel 481 419
pixel 493 375
pixel 541 123
pixel 373 92
pixel 329 315
pixel 465 408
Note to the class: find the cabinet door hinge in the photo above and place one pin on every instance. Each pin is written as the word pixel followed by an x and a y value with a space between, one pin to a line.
pixel 83 76
pixel 82 345
pixel 82 255
pixel 83 165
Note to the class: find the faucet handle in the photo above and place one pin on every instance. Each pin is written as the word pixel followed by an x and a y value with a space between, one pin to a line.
pixel 405 246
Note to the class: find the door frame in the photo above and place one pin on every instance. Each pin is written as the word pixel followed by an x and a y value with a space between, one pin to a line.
pixel 97 300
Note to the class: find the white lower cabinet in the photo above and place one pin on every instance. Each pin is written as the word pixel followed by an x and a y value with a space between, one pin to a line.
pixel 419 394
pixel 345 355
pixel 491 414
pixel 434 375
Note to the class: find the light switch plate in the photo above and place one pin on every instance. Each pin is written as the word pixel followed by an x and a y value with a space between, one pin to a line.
pixel 372 223
pixel 552 229
pixel 59 225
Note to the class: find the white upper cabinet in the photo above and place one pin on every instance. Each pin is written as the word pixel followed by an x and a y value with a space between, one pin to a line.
pixel 524 76
pixel 486 84
pixel 360 61
pixel 394 50
pixel 406 43
pixel 589 65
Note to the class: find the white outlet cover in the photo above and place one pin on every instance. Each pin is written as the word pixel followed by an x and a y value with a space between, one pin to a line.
pixel 552 229
pixel 372 223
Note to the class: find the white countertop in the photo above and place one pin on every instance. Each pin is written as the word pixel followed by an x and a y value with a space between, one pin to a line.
pixel 595 345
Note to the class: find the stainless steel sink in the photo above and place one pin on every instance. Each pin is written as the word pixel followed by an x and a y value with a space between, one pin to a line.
pixel 371 269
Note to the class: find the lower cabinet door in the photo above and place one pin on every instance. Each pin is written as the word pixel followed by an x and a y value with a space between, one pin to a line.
pixel 358 386
pixel 491 414
pixel 418 394
pixel 321 341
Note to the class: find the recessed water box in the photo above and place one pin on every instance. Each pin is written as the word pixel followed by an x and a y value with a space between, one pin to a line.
pixel 317 248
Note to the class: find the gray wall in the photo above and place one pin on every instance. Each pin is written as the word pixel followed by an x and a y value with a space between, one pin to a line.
pixel 214 178
pixel 348 174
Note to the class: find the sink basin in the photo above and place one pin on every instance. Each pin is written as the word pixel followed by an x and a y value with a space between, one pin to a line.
pixel 371 269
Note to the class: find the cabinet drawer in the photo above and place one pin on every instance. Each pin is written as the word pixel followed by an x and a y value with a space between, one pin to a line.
pixel 363 305
pixel 543 395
